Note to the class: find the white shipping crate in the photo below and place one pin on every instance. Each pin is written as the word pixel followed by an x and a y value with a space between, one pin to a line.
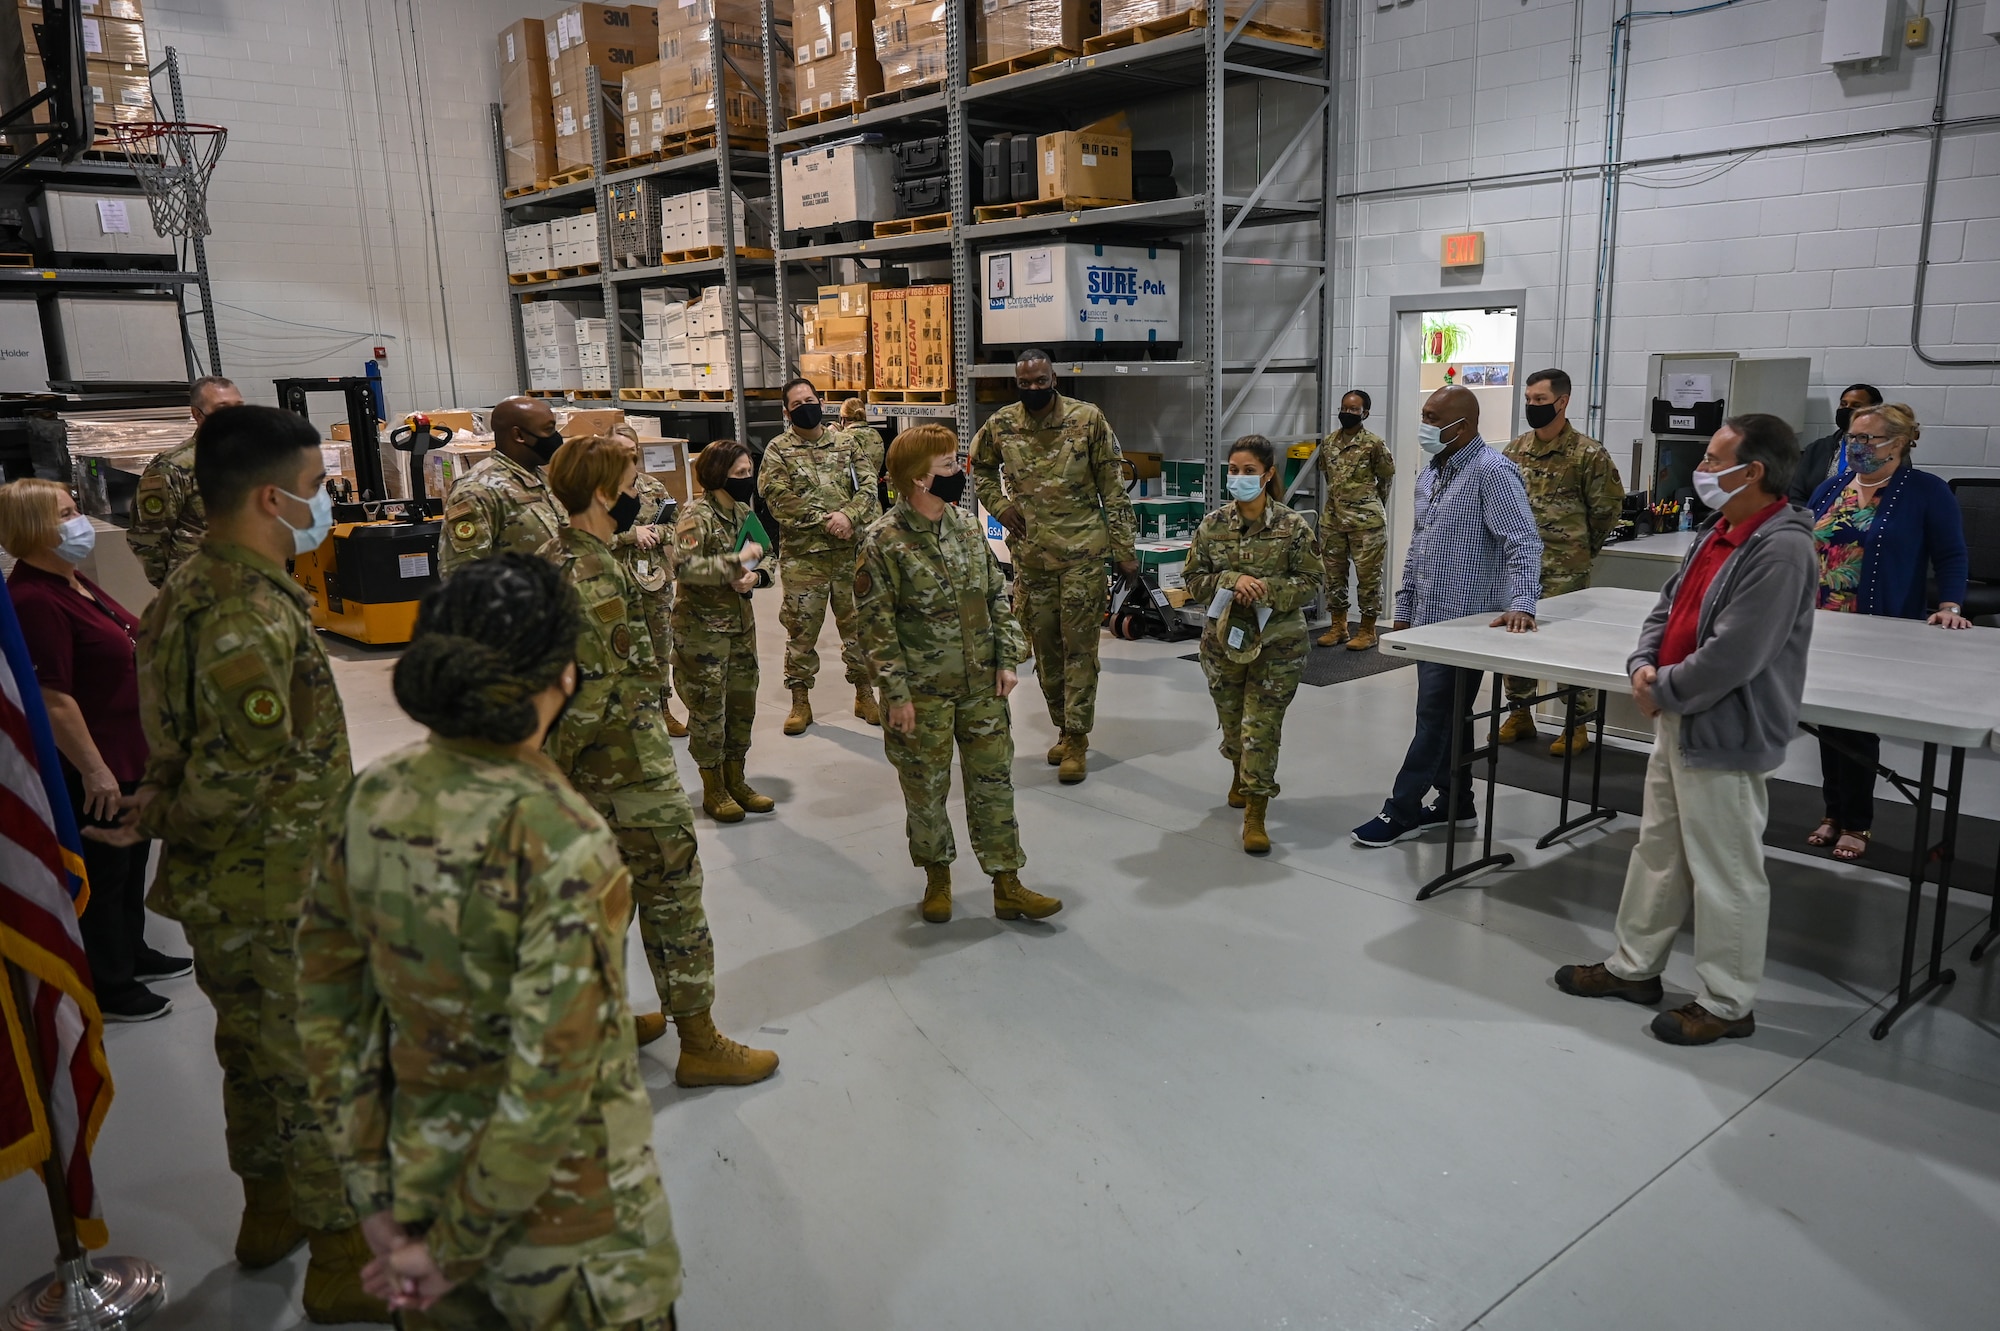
pixel 1073 291
pixel 24 361
pixel 125 339
pixel 841 182
pixel 101 222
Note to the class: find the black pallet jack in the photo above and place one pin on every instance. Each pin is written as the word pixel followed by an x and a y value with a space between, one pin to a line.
pixel 366 579
pixel 1140 610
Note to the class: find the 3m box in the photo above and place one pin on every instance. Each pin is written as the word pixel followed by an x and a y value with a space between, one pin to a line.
pixel 1072 292
pixel 1094 162
pixel 851 181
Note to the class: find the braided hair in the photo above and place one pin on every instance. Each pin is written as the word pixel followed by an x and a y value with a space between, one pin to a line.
pixel 500 632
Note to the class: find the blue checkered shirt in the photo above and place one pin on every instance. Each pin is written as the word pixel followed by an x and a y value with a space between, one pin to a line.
pixel 1475 549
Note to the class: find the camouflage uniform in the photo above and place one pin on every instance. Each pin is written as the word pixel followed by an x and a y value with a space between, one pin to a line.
pixel 715 632
pixel 869 440
pixel 1574 490
pixel 652 570
pixel 167 516
pixel 250 758
pixel 612 744
pixel 462 1007
pixel 1066 478
pixel 1251 696
pixel 805 482
pixel 935 619
pixel 1354 471
pixel 499 505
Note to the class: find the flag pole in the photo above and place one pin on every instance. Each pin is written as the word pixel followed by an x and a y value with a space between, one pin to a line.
pixel 110 1295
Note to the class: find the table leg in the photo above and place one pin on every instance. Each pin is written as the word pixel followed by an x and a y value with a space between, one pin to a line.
pixel 1908 995
pixel 1462 709
pixel 1597 813
pixel 1992 921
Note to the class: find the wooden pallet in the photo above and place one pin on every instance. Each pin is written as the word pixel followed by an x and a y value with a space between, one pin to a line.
pixel 910 226
pixel 704 253
pixel 617 164
pixel 905 94
pixel 576 175
pixel 997 212
pixel 647 394
pixel 520 190
pixel 17 261
pixel 534 278
pixel 1000 69
pixel 1195 18
pixel 825 113
pixel 921 396
pixel 689 142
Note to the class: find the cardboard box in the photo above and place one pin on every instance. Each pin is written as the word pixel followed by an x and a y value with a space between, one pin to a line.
pixel 889 337
pixel 929 321
pixel 679 17
pixel 528 141
pixel 524 66
pixel 832 27
pixel 445 467
pixel 851 299
pixel 1298 15
pixel 1054 291
pixel 1090 163
pixel 666 461
pixel 119 41
pixel 832 373
pixel 1009 28
pixel 120 96
pixel 838 80
pixel 842 335
pixel 614 37
pixel 910 44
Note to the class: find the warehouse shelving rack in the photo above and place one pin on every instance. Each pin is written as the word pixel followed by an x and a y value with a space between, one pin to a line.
pixel 1204 60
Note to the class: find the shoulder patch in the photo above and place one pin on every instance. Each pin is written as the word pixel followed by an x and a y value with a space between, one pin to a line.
pixel 609 611
pixel 621 641
pixel 234 672
pixel 460 508
pixel 864 582
pixel 263 708
pixel 464 529
pixel 152 505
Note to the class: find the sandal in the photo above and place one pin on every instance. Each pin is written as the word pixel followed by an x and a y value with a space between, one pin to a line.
pixel 1825 834
pixel 1841 852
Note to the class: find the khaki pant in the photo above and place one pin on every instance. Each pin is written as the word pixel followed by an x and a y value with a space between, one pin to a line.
pixel 1701 843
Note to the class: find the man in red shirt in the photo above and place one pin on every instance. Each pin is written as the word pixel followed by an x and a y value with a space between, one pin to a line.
pixel 1721 668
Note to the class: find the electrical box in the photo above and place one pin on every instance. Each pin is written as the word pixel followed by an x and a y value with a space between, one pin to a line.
pixel 99 222
pixel 121 339
pixel 24 361
pixel 1073 298
pixel 1856 30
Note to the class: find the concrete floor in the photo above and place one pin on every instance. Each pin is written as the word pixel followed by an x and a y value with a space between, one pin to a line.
pixel 1217 1091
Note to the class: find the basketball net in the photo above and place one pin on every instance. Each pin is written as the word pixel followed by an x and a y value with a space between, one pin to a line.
pixel 173 161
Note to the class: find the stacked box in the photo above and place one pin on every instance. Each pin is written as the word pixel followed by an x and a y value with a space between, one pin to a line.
pixel 593 354
pixel 699 220
pixel 646 121
pixel 834 44
pixel 115 60
pixel 529 249
pixel 889 338
pixel 910 42
pixel 635 223
pixel 929 323
pixel 1007 28
pixel 527 111
pixel 548 327
pixel 611 39
pixel 687 62
pixel 1299 15
pixel 573 241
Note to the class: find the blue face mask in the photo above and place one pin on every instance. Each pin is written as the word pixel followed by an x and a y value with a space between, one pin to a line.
pixel 76 539
pixel 314 534
pixel 1243 489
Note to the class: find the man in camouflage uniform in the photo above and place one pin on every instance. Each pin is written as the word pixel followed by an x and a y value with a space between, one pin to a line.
pixel 943 644
pixel 1574 489
pixel 1066 512
pixel 502 503
pixel 167 517
pixel 820 486
pixel 249 761
pixel 1354 470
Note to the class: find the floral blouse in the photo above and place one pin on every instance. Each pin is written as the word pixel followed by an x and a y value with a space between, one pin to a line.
pixel 1837 537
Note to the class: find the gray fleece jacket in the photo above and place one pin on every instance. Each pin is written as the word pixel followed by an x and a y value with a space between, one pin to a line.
pixel 1738 695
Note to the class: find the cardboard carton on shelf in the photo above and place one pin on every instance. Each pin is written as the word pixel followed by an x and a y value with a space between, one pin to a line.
pixel 831 28
pixel 910 44
pixel 445 467
pixel 889 337
pixel 1094 162
pixel 528 142
pixel 1009 28
pixel 1298 15
pixel 849 299
pixel 666 461
pixel 524 65
pixel 839 80
pixel 929 348
pixel 842 335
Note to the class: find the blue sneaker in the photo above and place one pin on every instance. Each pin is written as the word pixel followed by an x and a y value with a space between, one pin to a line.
pixel 1384 829
pixel 1433 817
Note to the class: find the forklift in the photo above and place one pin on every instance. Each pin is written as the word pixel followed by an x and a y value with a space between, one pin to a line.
pixel 366 578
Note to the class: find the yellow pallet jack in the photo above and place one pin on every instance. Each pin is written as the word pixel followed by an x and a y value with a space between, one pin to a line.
pixel 366 578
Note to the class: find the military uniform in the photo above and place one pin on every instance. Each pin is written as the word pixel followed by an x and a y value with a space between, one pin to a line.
pixel 715 632
pixel 168 519
pixel 935 619
pixel 250 759
pixel 1064 473
pixel 1577 498
pixel 1354 470
pixel 612 744
pixel 462 1007
pixel 805 482
pixel 869 440
pixel 653 573
pixel 499 505
pixel 1251 695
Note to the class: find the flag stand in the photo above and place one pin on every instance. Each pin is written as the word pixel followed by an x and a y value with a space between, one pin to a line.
pixel 110 1294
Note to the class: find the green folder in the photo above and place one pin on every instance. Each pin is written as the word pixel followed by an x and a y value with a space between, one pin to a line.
pixel 753 530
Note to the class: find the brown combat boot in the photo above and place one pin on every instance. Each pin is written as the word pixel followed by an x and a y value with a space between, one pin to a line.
pixel 716 800
pixel 1059 750
pixel 333 1279
pixel 1236 796
pixel 1336 633
pixel 865 705
pixel 648 1027
pixel 937 893
pixel 1365 637
pixel 1519 725
pixel 676 727
pixel 267 1234
pixel 1256 841
pixel 710 1058
pixel 1011 901
pixel 1575 742
pixel 1075 765
pixel 1691 1023
pixel 1595 980
pixel 739 790
pixel 801 714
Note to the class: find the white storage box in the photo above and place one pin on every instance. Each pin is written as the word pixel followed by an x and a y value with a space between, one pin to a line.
pixel 101 222
pixel 1071 291
pixel 24 361
pixel 842 182
pixel 121 339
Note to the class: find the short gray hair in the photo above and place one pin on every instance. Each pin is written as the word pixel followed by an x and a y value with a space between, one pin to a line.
pixel 203 384
pixel 1764 438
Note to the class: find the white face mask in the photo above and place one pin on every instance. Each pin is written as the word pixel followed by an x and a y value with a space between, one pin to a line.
pixel 313 535
pixel 77 538
pixel 1708 487
pixel 1430 438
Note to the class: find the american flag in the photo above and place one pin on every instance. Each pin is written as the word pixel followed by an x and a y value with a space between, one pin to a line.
pixel 42 891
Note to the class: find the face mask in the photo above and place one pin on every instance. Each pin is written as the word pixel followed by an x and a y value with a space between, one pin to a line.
pixel 313 535
pixel 1037 399
pixel 1430 438
pixel 624 512
pixel 1243 489
pixel 807 415
pixel 1539 414
pixel 949 489
pixel 78 539
pixel 742 489
pixel 1708 487
pixel 545 446
pixel 1350 420
pixel 1841 417
pixel 1862 458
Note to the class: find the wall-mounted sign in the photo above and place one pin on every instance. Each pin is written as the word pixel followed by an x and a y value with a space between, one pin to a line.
pixel 1464 249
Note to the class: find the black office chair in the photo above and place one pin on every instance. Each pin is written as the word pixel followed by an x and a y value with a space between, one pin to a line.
pixel 1979 509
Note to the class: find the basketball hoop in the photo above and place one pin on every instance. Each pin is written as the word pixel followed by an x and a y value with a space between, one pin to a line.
pixel 173 160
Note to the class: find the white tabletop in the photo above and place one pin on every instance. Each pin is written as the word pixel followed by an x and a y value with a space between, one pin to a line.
pixel 1895 677
pixel 1671 546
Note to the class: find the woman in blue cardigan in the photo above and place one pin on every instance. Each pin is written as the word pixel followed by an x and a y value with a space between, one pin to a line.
pixel 1880 529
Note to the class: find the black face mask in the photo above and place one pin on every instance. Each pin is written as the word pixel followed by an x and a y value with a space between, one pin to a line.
pixel 1037 399
pixel 545 446
pixel 742 489
pixel 625 512
pixel 807 415
pixel 1841 417
pixel 950 489
pixel 1350 420
pixel 1539 414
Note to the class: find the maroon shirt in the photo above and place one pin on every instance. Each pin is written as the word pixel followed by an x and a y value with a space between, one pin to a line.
pixel 86 649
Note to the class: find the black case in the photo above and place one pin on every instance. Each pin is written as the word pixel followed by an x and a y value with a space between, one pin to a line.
pixel 1152 162
pixel 917 158
pixel 1149 189
pixel 920 198
pixel 994 184
pixel 1703 418
pixel 1021 183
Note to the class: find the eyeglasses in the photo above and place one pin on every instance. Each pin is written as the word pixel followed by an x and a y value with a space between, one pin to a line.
pixel 1871 440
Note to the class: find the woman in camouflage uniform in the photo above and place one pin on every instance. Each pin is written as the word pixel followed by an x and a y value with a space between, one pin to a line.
pixel 715 629
pixel 646 550
pixel 1253 653
pixel 462 994
pixel 854 420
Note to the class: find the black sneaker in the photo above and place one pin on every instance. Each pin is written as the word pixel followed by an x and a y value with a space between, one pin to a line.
pixel 1432 815
pixel 1384 829
pixel 154 965
pixel 138 1004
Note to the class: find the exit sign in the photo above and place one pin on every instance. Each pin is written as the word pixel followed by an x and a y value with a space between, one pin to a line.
pixel 1465 249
